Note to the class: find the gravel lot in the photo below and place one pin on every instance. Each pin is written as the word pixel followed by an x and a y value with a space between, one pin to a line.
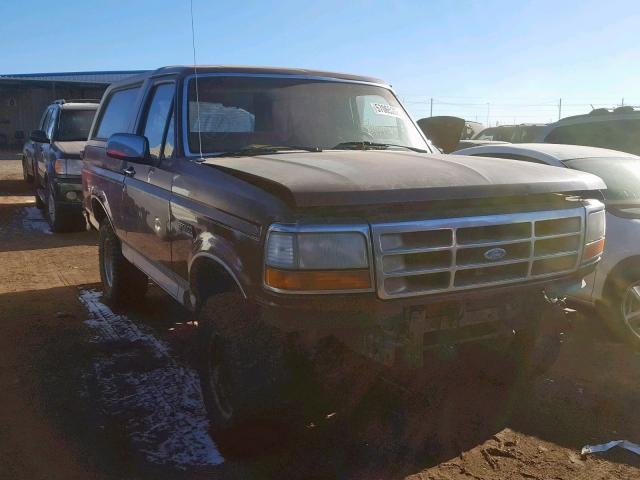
pixel 91 393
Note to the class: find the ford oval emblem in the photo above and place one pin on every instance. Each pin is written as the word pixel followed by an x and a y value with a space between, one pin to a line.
pixel 495 254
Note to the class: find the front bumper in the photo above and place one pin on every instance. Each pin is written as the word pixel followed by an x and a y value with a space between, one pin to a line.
pixel 405 328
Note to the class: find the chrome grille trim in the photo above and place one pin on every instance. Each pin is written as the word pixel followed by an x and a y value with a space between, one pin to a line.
pixel 424 279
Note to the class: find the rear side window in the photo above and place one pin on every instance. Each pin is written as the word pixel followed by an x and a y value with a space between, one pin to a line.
pixel 117 114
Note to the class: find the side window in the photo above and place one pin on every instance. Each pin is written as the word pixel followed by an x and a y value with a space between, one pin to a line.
pixel 44 119
pixel 117 113
pixel 170 141
pixel 157 117
pixel 51 126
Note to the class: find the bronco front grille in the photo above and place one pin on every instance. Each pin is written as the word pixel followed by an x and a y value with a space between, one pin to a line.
pixel 432 256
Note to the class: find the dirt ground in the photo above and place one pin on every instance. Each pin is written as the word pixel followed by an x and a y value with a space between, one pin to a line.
pixel 54 425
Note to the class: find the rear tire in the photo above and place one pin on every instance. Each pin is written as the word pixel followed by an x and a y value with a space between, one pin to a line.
pixel 122 282
pixel 242 363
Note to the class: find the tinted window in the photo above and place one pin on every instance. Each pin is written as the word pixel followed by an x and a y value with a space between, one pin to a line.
pixel 74 125
pixel 117 114
pixel 157 117
pixel 621 175
pixel 621 135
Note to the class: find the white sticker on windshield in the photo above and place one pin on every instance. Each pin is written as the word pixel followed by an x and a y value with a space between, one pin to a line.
pixel 382 109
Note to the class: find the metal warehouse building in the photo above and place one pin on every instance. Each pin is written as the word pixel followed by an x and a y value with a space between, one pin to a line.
pixel 23 98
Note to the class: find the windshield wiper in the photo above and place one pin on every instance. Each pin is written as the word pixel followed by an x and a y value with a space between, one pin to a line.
pixel 367 145
pixel 264 150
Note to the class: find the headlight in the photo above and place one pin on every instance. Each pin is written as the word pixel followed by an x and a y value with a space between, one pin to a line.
pixel 317 261
pixel 68 166
pixel 594 235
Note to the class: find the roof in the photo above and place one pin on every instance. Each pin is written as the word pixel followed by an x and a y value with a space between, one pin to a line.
pixel 100 77
pixel 184 70
pixel 551 150
pixel 597 116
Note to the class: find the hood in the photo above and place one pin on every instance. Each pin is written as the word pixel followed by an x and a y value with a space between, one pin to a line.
pixel 337 178
pixel 70 149
pixel 478 143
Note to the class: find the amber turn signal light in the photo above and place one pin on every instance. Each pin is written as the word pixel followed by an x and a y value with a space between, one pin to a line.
pixel 319 280
pixel 593 249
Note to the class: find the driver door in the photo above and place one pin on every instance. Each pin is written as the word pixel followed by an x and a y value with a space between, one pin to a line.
pixel 147 189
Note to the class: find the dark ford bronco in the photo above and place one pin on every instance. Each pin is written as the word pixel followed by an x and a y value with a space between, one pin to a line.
pixel 51 159
pixel 281 204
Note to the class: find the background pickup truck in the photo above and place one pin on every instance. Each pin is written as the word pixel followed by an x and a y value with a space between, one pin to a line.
pixel 291 204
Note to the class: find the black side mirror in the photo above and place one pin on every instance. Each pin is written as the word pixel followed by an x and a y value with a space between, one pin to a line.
pixel 39 136
pixel 129 147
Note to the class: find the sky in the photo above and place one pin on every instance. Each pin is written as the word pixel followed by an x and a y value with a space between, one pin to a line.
pixel 501 61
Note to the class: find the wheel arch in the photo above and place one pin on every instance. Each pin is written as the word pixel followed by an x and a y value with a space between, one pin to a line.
pixel 621 271
pixel 208 275
pixel 100 210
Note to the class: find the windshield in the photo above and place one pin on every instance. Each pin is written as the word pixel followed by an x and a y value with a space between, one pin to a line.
pixel 623 135
pixel 621 175
pixel 236 113
pixel 503 134
pixel 74 125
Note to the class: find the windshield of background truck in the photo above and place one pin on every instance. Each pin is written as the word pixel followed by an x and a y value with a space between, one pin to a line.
pixel 623 135
pixel 236 112
pixel 621 175
pixel 74 125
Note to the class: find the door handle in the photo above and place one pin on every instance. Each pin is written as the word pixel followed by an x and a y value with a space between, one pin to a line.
pixel 129 171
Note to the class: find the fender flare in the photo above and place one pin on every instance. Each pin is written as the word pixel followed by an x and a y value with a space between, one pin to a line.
pixel 104 204
pixel 222 264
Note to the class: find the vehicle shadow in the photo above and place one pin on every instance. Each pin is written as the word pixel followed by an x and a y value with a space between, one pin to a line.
pixel 15 187
pixel 352 422
pixel 23 227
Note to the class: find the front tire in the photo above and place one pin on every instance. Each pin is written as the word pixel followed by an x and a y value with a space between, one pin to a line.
pixel 242 362
pixel 622 310
pixel 122 282
pixel 58 221
pixel 26 175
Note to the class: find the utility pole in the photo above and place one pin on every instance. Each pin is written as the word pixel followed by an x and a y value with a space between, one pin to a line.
pixel 488 110
pixel 431 107
pixel 622 103
pixel 559 109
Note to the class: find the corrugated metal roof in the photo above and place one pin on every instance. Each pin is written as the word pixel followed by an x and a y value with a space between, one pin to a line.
pixel 101 77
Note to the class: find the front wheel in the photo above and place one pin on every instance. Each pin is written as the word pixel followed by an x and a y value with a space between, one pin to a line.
pixel 241 361
pixel 25 174
pixel 122 282
pixel 623 311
